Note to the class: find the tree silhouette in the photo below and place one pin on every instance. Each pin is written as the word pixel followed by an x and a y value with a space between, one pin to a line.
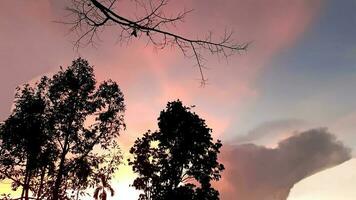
pixel 178 161
pixel 104 174
pixel 26 148
pixel 91 16
pixel 50 144
pixel 100 192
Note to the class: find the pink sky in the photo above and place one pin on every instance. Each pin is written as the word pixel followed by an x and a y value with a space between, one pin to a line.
pixel 32 45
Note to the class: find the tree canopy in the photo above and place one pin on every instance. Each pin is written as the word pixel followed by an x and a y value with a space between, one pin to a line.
pixel 179 160
pixel 61 139
pixel 49 144
pixel 26 146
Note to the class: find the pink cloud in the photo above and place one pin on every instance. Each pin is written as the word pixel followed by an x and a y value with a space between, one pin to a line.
pixel 149 79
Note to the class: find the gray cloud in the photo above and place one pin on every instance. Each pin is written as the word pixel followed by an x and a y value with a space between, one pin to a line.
pixel 272 129
pixel 260 173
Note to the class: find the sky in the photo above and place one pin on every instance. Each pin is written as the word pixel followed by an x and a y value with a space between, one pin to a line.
pixel 288 100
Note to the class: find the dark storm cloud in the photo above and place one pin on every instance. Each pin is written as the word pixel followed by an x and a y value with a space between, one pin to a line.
pixel 259 173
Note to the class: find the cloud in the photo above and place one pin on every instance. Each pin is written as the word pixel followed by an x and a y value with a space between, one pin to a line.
pixel 270 132
pixel 346 126
pixel 32 45
pixel 257 172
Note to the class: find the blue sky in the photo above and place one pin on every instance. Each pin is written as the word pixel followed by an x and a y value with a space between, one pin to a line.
pixel 319 69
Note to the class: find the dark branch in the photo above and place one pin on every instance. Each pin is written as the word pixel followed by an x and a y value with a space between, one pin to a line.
pixel 91 15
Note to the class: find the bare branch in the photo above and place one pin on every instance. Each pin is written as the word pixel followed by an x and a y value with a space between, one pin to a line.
pixel 91 15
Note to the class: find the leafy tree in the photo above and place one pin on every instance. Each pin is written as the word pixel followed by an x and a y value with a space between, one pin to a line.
pixel 63 122
pixel 178 161
pixel 151 21
pixel 26 147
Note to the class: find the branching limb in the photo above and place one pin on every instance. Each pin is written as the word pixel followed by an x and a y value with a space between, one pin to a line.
pixel 91 15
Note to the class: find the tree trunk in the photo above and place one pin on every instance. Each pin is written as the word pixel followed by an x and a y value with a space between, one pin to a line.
pixel 55 194
pixel 25 185
pixel 39 192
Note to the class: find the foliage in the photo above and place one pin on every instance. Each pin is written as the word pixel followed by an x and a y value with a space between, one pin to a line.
pixel 178 161
pixel 60 131
pixel 26 145
pixel 100 191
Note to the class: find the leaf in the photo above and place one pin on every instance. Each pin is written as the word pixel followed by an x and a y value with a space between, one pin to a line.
pixel 112 191
pixel 103 195
pixel 96 192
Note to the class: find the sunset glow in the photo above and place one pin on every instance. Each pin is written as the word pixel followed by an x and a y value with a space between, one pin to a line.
pixel 285 109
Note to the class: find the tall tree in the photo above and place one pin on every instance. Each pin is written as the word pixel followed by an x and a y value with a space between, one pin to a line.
pixel 26 146
pixel 76 119
pixel 151 21
pixel 178 161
